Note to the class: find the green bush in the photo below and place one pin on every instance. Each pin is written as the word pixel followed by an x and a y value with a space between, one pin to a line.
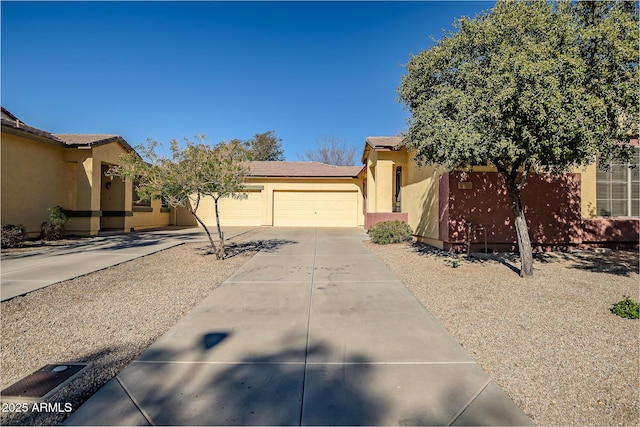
pixel 627 308
pixel 53 229
pixel 13 235
pixel 454 262
pixel 387 232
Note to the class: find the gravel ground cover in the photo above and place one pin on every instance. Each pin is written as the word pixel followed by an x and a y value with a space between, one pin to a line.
pixel 549 341
pixel 106 318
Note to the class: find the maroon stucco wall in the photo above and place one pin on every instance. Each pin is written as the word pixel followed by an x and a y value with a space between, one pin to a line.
pixel 551 206
pixel 370 219
pixel 611 231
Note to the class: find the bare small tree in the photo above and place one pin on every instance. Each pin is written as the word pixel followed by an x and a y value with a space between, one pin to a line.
pixel 193 172
pixel 332 151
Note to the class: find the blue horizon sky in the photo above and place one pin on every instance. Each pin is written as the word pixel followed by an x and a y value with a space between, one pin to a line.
pixel 164 70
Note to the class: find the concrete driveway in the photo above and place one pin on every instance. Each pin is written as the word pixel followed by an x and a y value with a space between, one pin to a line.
pixel 313 330
pixel 22 273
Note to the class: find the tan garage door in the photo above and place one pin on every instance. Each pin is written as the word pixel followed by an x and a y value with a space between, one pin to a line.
pixel 233 212
pixel 315 208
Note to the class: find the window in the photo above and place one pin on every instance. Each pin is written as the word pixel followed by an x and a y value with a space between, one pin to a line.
pixel 618 189
pixel 136 202
pixel 397 207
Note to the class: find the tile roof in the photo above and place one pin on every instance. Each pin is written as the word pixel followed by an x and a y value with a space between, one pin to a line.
pixel 8 114
pixel 67 139
pixel 86 139
pixel 11 121
pixel 389 142
pixel 381 143
pixel 92 139
pixel 301 170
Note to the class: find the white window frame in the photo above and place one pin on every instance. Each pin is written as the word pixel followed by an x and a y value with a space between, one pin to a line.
pixel 632 177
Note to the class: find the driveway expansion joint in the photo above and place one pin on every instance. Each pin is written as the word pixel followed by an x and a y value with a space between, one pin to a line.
pixel 135 401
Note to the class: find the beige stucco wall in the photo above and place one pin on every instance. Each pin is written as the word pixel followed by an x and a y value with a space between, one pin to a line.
pixel 158 217
pixel 420 200
pixel 34 178
pixel 419 190
pixel 267 186
pixel 588 190
pixel 372 185
pixel 386 165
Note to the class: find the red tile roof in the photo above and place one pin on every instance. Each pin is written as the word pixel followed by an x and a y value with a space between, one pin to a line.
pixel 301 170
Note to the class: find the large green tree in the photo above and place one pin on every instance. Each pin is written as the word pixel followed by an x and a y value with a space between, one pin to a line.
pixel 530 86
pixel 194 171
pixel 265 146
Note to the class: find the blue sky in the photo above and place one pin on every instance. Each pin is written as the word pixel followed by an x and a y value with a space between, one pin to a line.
pixel 163 70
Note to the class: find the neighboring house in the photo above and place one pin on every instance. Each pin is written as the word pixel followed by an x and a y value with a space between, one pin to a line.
pixel 41 170
pixel 445 209
pixel 304 194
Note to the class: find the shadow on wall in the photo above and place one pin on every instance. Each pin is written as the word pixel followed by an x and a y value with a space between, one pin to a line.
pixel 612 231
pixel 429 209
pixel 479 201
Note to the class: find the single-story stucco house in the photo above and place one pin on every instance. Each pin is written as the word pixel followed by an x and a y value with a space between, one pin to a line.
pixel 41 170
pixel 450 209
pixel 444 208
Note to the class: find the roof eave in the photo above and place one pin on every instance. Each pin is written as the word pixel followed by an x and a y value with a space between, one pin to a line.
pixel 305 176
pixel 36 134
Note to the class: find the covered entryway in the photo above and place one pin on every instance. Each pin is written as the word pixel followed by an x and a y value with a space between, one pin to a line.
pixel 315 208
pixel 234 212
pixel 112 201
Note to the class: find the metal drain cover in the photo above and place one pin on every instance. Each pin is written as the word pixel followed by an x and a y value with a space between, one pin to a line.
pixel 43 382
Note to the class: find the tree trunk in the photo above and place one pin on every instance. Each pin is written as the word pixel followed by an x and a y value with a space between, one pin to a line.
pixel 220 233
pixel 522 230
pixel 214 250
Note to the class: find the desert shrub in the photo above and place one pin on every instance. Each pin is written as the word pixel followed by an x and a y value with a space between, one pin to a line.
pixel 387 232
pixel 627 308
pixel 53 229
pixel 13 235
pixel 454 262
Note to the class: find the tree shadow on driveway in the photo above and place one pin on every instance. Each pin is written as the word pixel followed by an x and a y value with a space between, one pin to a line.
pixel 233 249
pixel 264 388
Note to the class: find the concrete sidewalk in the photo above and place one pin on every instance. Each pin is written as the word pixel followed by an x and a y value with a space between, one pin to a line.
pixel 22 273
pixel 313 330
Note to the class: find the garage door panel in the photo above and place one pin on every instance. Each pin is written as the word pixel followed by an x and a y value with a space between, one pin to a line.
pixel 315 208
pixel 235 212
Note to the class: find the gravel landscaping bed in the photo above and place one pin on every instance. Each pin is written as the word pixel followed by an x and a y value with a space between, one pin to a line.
pixel 549 341
pixel 106 318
